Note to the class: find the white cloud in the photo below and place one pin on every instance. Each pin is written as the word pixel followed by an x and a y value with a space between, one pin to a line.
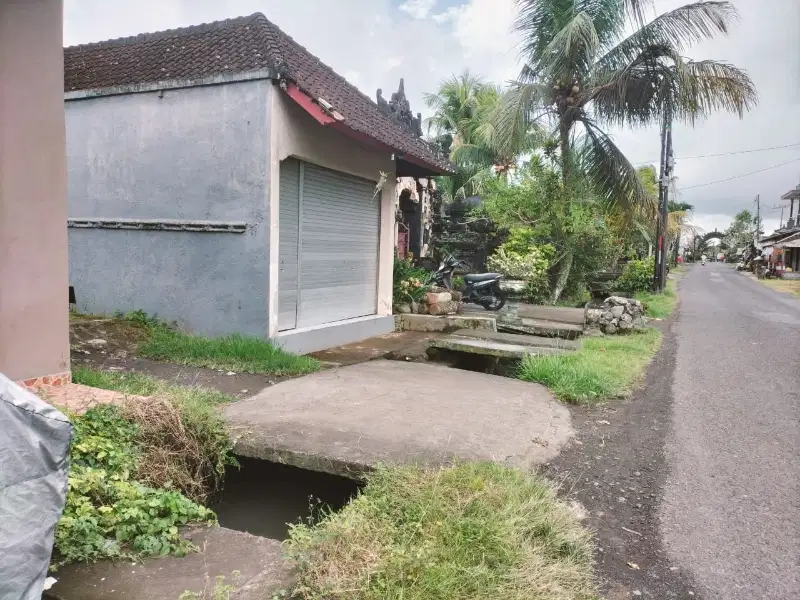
pixel 418 9
pixel 446 16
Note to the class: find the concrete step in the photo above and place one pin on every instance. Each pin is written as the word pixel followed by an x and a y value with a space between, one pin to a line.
pixel 455 343
pixel 559 314
pixel 520 339
pixel 445 323
pixel 540 327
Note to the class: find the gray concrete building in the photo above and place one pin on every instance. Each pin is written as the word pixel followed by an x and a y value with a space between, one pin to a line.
pixel 222 177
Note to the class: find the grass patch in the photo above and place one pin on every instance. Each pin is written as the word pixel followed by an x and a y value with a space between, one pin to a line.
pixel 470 531
pixel 659 305
pixel 238 353
pixel 605 367
pixel 787 286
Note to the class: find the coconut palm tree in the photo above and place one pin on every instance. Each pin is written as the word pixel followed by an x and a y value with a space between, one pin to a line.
pixel 456 106
pixel 583 73
pixel 464 125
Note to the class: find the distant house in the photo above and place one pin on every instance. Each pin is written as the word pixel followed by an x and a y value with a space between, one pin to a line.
pixel 782 247
pixel 222 177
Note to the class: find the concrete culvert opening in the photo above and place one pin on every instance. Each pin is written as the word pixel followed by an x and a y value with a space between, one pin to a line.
pixel 478 363
pixel 262 497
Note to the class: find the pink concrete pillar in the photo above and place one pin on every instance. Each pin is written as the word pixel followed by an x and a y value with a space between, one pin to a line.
pixel 34 320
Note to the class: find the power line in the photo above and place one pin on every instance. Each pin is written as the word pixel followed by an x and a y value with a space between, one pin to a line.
pixel 740 176
pixel 741 151
pixel 727 153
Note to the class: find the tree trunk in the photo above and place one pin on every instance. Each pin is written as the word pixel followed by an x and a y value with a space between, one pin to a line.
pixel 565 150
pixel 564 268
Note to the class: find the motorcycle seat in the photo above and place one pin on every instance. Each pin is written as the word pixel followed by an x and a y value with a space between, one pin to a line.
pixel 476 277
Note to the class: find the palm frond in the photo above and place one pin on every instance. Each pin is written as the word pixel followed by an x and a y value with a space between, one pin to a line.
pixel 708 86
pixel 676 219
pixel 611 174
pixel 571 52
pixel 676 29
pixel 635 10
pixel 592 23
pixel 454 104
pixel 472 156
pixel 637 93
pixel 476 185
pixel 519 109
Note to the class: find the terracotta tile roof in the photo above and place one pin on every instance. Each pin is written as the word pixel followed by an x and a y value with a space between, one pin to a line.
pixel 235 46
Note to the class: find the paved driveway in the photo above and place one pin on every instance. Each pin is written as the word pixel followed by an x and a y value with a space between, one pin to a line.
pixel 731 508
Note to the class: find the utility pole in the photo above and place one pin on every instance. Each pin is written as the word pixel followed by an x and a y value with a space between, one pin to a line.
pixel 780 226
pixel 665 175
pixel 757 233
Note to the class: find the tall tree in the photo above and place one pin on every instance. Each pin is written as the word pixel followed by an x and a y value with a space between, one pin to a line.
pixel 739 233
pixel 463 124
pixel 583 73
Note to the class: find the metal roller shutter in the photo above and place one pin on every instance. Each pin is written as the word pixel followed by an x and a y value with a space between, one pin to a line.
pixel 339 228
pixel 289 228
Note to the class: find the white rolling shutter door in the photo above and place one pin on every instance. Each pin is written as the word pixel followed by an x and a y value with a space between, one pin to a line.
pixel 339 228
pixel 289 230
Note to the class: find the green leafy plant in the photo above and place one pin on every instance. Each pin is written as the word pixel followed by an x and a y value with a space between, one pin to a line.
pixel 108 514
pixel 518 266
pixel 180 437
pixel 410 283
pixel 637 276
pixel 520 260
pixel 521 240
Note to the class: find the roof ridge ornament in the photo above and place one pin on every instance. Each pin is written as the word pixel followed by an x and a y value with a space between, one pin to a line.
pixel 399 108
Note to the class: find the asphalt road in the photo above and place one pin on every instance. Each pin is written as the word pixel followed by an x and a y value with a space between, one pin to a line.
pixel 730 515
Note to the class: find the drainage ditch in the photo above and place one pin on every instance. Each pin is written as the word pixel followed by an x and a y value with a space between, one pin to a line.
pixel 262 497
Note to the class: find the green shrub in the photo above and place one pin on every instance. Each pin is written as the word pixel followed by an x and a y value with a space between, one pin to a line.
pixel 410 283
pixel 520 240
pixel 108 514
pixel 467 532
pixel 637 276
pixel 531 266
pixel 518 266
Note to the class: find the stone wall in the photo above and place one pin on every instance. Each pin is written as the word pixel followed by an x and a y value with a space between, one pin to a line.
pixel 616 315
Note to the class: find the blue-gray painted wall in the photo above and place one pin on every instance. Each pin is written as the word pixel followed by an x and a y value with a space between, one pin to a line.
pixel 188 153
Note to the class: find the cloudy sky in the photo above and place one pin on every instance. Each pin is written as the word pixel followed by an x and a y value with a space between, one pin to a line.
pixel 375 42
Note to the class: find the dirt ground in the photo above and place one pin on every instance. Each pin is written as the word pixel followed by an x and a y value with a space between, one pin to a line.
pixel 615 469
pixel 110 344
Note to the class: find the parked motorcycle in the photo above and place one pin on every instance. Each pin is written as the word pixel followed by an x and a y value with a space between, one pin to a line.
pixel 480 288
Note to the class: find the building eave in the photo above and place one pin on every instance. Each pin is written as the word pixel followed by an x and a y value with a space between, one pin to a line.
pixel 167 84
